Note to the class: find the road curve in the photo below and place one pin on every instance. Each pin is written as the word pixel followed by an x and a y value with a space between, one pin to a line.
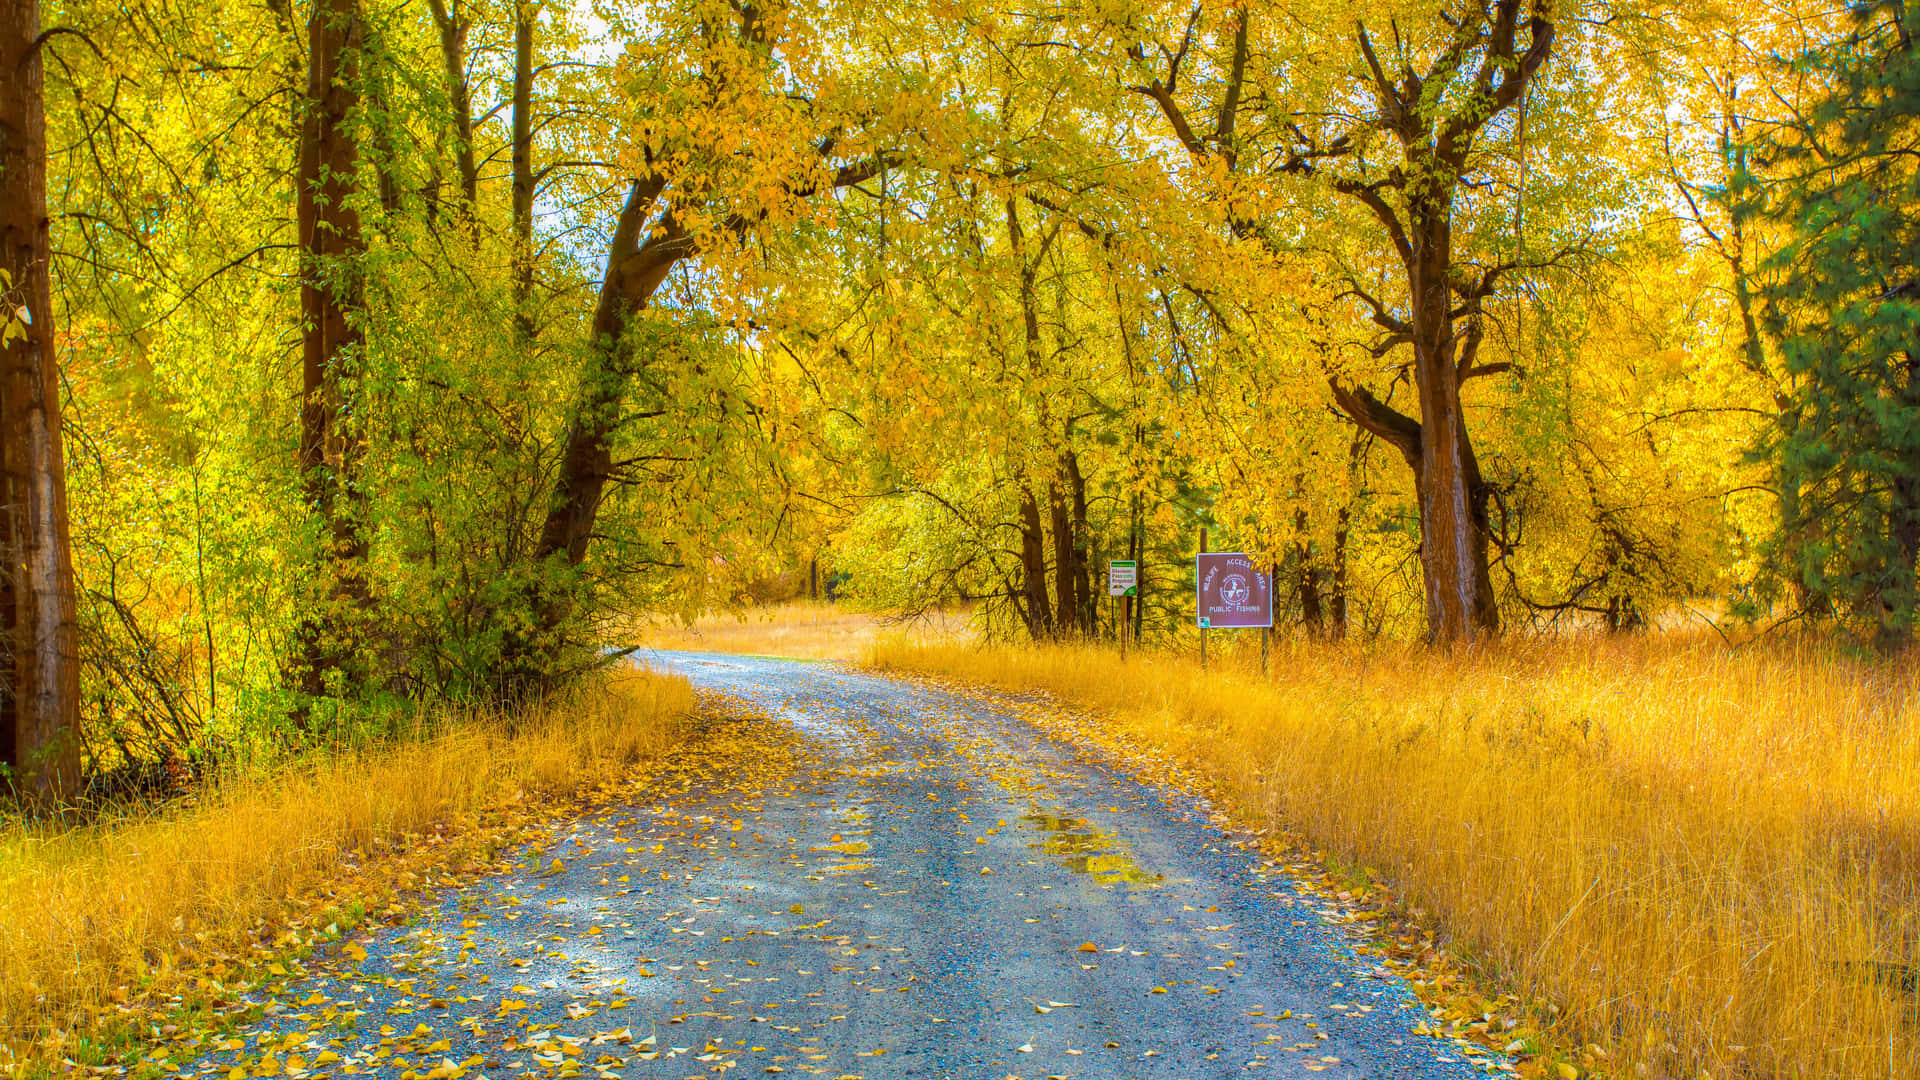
pixel 933 890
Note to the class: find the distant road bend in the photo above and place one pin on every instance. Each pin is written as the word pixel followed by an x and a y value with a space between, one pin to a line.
pixel 933 890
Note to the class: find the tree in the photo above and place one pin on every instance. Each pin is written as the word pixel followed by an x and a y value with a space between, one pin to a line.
pixel 330 300
pixel 691 193
pixel 1845 306
pixel 1432 96
pixel 40 692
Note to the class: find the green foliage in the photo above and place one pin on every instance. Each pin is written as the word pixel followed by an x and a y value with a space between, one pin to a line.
pixel 1846 310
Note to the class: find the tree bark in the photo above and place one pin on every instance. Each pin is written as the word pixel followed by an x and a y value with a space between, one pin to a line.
pixel 40 694
pixel 452 26
pixel 522 156
pixel 332 249
pixel 1066 604
pixel 634 272
pixel 1453 526
pixel 1337 593
pixel 1033 569
pixel 1307 581
pixel 1454 531
pixel 1082 557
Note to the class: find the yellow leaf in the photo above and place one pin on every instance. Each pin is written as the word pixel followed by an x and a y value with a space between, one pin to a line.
pixel 1089 947
pixel 1566 1072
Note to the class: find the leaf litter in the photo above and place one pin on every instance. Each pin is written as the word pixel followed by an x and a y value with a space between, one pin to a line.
pixel 483 1001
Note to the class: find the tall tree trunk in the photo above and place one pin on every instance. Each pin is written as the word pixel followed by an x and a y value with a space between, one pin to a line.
pixel 1066 604
pixel 634 272
pixel 1033 568
pixel 1082 556
pixel 452 26
pixel 522 154
pixel 40 691
pixel 333 251
pixel 1307 581
pixel 1453 527
pixel 1061 617
pixel 1337 593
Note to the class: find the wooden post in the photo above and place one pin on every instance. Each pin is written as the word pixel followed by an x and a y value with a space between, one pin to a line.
pixel 1126 616
pixel 1196 598
pixel 1266 636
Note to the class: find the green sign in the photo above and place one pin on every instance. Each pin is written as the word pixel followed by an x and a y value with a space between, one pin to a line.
pixel 1123 577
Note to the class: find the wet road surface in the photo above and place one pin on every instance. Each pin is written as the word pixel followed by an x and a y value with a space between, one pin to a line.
pixel 897 881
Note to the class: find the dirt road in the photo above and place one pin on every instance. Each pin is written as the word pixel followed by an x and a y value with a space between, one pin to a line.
pixel 930 888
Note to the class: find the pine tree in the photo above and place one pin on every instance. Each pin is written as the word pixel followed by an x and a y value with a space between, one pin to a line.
pixel 1845 307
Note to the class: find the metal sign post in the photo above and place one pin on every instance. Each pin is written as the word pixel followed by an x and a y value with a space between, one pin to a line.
pixel 1231 593
pixel 1123 583
pixel 1204 624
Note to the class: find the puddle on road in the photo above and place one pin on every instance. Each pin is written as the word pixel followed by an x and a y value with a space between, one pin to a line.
pixel 1083 849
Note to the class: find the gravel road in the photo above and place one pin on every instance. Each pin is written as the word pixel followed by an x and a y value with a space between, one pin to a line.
pixel 931 889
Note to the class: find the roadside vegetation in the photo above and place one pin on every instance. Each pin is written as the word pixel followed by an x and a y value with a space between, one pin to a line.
pixel 806 630
pixel 184 906
pixel 1702 857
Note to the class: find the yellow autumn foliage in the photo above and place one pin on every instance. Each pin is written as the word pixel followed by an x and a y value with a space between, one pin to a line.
pixel 1703 857
pixel 94 919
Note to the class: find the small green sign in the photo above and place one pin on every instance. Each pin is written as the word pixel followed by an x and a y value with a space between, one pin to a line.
pixel 1123 577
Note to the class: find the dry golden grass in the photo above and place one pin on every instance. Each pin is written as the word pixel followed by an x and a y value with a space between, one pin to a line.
pixel 809 631
pixel 94 916
pixel 1701 855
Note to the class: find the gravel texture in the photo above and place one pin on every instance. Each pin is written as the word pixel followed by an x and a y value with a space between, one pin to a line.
pixel 908 883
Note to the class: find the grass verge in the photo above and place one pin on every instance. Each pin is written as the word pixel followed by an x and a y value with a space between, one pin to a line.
pixel 1707 860
pixel 108 927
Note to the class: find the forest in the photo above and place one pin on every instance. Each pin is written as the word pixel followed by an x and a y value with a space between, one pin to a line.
pixel 359 354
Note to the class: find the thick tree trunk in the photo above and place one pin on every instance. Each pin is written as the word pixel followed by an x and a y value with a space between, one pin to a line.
pixel 634 272
pixel 40 694
pixel 1307 574
pixel 1038 610
pixel 1066 604
pixel 332 249
pixel 1453 536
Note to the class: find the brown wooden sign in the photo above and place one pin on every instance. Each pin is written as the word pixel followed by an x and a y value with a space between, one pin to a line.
pixel 1234 594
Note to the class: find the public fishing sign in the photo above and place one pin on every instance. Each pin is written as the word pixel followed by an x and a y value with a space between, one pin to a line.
pixel 1234 594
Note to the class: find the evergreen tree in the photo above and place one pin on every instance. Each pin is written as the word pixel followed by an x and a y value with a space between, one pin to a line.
pixel 1845 307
